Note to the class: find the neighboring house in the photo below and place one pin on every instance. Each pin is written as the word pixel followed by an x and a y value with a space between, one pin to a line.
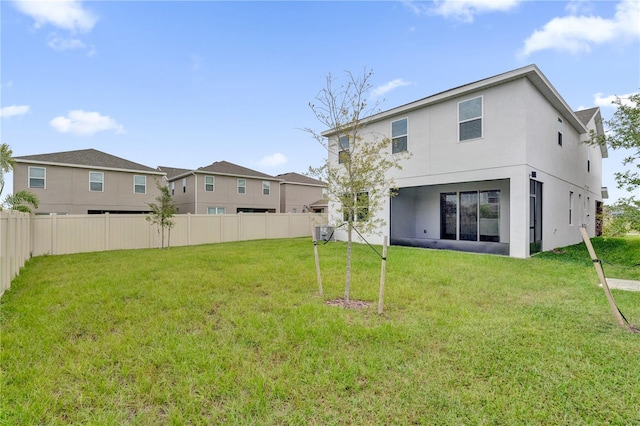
pixel 223 188
pixel 301 194
pixel 498 166
pixel 86 181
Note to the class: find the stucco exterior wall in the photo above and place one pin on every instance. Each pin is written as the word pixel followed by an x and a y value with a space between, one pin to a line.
pixel 298 197
pixel 67 190
pixel 225 194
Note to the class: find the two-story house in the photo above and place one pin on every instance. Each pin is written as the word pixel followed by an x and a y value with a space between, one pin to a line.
pixel 498 166
pixel 86 181
pixel 222 188
pixel 301 194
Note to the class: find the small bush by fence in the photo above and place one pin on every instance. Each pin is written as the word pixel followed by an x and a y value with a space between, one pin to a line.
pixel 23 235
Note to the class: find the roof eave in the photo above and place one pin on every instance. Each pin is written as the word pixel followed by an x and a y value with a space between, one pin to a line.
pixel 84 166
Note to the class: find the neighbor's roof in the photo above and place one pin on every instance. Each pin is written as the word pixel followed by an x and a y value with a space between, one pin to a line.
pixel 173 171
pixel 87 158
pixel 293 177
pixel 586 115
pixel 531 72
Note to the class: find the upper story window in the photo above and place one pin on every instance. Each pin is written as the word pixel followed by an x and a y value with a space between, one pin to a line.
pixel 173 188
pixel 266 187
pixel 399 135
pixel 559 131
pixel 242 186
pixel 209 183
pixel 184 184
pixel 96 181
pixel 470 119
pixel 37 177
pixel 343 148
pixel 139 184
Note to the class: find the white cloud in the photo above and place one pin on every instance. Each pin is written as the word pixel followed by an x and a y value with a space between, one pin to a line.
pixel 10 111
pixel 385 88
pixel 607 101
pixel 59 43
pixel 465 10
pixel 85 123
pixel 69 14
pixel 575 34
pixel 273 160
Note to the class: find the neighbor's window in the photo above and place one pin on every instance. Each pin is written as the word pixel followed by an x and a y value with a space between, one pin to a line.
pixel 399 135
pixel 173 188
pixel 209 183
pixel 470 119
pixel 266 187
pixel 559 131
pixel 216 210
pixel 96 181
pixel 37 176
pixel 343 148
pixel 242 186
pixel 140 184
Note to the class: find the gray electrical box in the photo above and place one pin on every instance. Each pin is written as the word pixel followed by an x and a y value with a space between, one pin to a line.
pixel 325 233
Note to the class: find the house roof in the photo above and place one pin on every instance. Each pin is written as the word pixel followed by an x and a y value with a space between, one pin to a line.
pixel 297 178
pixel 585 115
pixel 531 72
pixel 226 169
pixel 173 171
pixel 87 158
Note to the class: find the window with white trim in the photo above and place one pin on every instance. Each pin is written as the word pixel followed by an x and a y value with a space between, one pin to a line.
pixel 266 187
pixel 470 119
pixel 37 177
pixel 559 131
pixel 96 181
pixel 216 210
pixel 209 183
pixel 570 207
pixel 343 148
pixel 173 188
pixel 184 185
pixel 399 135
pixel 242 186
pixel 139 184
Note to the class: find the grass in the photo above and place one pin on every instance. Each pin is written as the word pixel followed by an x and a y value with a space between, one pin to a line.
pixel 235 333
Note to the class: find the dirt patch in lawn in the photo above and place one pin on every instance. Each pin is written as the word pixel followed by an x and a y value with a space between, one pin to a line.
pixel 352 304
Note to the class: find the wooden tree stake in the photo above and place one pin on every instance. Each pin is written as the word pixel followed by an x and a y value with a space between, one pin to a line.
pixel 383 272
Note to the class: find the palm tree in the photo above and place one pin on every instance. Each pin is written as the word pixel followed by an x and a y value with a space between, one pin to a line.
pixel 24 201
pixel 6 163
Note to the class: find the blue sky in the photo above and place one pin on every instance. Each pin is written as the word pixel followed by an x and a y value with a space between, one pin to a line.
pixel 185 84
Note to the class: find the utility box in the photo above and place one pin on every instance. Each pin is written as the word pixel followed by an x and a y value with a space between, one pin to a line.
pixel 325 233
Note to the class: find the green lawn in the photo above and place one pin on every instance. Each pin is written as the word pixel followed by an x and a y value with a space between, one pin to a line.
pixel 235 333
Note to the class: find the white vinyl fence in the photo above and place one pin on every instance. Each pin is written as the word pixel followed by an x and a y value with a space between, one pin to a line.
pixel 23 235
pixel 15 245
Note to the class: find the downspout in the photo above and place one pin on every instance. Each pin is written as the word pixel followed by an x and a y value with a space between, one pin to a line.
pixel 195 211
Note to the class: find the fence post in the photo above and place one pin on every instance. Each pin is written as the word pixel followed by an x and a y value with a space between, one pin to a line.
pixel 107 231
pixel 54 233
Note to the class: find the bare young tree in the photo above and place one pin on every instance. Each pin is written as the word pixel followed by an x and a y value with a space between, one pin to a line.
pixel 162 212
pixel 356 168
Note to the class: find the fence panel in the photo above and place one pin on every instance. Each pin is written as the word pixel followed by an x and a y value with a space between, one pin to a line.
pixel 15 245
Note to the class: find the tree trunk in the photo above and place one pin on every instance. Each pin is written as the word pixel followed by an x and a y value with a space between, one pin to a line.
pixel 347 285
